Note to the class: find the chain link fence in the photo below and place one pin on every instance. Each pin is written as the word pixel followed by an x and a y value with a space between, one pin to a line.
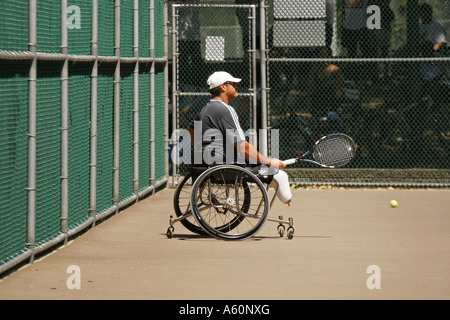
pixel 363 68
pixel 359 67
pixel 83 129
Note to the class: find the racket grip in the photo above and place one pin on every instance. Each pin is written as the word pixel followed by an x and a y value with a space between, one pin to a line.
pixel 289 161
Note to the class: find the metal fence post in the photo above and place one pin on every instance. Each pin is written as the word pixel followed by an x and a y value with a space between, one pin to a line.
pixel 166 91
pixel 32 78
pixel 174 137
pixel 116 116
pixel 152 96
pixel 263 137
pixel 136 98
pixel 64 121
pixel 254 72
pixel 94 106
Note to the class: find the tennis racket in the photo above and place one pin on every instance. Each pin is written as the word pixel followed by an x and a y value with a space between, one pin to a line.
pixel 331 151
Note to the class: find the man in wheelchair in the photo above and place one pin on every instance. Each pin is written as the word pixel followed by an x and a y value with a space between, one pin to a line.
pixel 218 138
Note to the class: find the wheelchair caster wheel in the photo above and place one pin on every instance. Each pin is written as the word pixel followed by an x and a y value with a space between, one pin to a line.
pixel 290 233
pixel 169 232
pixel 281 230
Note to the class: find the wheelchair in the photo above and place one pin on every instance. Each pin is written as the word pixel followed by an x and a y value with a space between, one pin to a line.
pixel 227 202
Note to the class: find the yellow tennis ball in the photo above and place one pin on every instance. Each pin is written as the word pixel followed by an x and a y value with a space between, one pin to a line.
pixel 394 203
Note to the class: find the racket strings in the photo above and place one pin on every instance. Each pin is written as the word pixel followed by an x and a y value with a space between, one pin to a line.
pixel 334 151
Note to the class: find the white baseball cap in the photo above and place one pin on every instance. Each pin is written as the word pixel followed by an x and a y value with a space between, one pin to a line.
pixel 220 77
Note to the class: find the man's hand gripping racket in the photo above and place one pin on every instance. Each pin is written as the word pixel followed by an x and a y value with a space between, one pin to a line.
pixel 331 151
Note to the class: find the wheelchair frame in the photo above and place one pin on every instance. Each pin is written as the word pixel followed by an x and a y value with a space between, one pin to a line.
pixel 226 179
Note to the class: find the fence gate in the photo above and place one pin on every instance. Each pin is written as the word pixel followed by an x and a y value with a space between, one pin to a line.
pixel 208 38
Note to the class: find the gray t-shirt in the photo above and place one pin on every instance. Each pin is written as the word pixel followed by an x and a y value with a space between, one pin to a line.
pixel 220 130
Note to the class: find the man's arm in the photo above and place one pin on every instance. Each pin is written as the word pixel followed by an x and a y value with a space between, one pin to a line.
pixel 253 156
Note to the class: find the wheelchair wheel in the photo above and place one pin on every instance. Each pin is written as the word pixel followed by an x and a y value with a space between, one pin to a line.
pixel 181 204
pixel 229 202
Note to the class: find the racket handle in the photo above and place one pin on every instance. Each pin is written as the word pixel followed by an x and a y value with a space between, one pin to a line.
pixel 289 161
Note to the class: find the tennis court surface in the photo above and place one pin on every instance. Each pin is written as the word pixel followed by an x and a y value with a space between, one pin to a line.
pixel 348 244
